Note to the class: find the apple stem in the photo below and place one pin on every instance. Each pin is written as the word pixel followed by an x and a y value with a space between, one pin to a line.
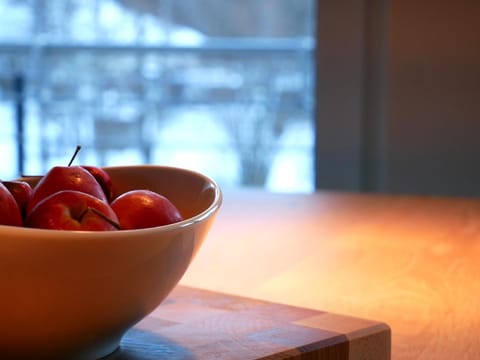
pixel 102 215
pixel 77 149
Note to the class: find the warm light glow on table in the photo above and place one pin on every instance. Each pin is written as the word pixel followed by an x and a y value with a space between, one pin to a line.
pixel 411 262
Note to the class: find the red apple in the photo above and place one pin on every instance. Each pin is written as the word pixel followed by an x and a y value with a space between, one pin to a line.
pixel 72 210
pixel 21 191
pixel 65 178
pixel 103 179
pixel 9 211
pixel 138 209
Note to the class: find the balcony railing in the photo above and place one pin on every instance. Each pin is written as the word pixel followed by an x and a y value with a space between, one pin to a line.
pixel 249 94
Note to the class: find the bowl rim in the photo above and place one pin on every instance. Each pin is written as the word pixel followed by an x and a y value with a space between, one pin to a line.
pixel 188 222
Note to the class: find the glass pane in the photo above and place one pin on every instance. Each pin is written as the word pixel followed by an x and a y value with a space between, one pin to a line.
pixel 17 21
pixel 222 87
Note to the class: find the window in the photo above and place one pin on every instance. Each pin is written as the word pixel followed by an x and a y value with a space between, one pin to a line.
pixel 222 87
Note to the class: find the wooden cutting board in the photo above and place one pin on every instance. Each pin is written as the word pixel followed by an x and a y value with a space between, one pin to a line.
pixel 199 324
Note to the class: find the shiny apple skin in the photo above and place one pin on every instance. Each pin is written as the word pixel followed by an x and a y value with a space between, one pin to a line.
pixel 9 210
pixel 65 178
pixel 139 209
pixel 102 178
pixel 70 210
pixel 21 191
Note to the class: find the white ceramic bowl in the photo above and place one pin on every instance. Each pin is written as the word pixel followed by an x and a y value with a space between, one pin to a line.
pixel 73 295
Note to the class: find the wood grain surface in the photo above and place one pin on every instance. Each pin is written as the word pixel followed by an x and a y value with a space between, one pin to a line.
pixel 199 324
pixel 412 262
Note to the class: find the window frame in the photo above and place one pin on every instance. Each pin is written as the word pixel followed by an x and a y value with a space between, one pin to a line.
pixel 350 94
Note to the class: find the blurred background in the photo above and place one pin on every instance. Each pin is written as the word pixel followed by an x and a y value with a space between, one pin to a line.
pixel 282 95
pixel 222 87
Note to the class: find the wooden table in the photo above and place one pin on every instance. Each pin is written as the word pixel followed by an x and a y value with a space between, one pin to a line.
pixel 411 262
